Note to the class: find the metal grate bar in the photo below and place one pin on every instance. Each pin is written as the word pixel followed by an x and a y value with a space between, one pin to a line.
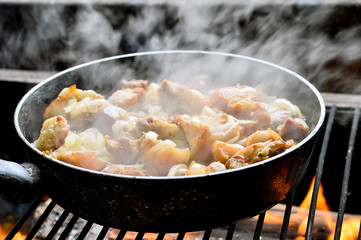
pixel 85 231
pixel 26 215
pixel 287 216
pixel 57 225
pixel 207 234
pixel 319 169
pixel 160 236
pixel 359 232
pixel 230 231
pixel 181 235
pixel 258 231
pixel 68 228
pixel 139 236
pixel 103 233
pixel 121 235
pixel 346 175
pixel 40 221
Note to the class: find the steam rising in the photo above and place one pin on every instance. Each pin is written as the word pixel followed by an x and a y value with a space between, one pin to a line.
pixel 305 39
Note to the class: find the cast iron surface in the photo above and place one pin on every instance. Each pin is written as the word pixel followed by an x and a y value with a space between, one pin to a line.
pixel 162 204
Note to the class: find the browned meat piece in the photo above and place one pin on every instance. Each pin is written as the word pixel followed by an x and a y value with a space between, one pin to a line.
pixel 132 171
pixel 160 156
pixel 164 129
pixel 222 151
pixel 122 150
pixel 52 134
pixel 295 129
pixel 241 102
pixel 179 99
pixel 85 159
pixel 113 113
pixel 198 169
pixel 103 120
pixel 236 162
pixel 128 99
pixel 202 131
pixel 258 152
pixel 261 136
pixel 112 169
pixel 134 83
pixel 147 141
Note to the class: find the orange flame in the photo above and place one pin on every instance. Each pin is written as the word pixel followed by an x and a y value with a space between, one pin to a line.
pixel 320 205
pixel 350 229
pixel 4 233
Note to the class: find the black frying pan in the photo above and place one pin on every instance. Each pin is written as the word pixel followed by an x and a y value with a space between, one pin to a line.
pixel 163 204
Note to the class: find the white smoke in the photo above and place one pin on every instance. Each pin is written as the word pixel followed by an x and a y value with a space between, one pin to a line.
pixel 301 38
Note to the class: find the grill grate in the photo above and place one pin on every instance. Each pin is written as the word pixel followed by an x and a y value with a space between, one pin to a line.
pixel 231 228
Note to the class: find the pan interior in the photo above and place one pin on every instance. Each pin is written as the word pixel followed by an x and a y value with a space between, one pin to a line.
pixel 225 69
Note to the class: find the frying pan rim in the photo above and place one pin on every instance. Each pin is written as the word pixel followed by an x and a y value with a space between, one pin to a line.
pixel 257 60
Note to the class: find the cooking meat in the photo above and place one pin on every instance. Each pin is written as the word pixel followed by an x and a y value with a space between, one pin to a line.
pixel 123 150
pixel 160 155
pixel 133 83
pixel 128 98
pixel 281 109
pixel 222 151
pixel 257 152
pixel 52 134
pixel 261 136
pixel 163 128
pixel 197 168
pixel 111 114
pixel 124 170
pixel 202 131
pixel 169 129
pixel 67 97
pixel 202 83
pixel 103 120
pixel 242 102
pixel 179 99
pixel 84 158
pixel 295 129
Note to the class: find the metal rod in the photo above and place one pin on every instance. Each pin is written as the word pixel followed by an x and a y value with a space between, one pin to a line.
pixel 181 235
pixel 207 234
pixel 85 231
pixel 230 231
pixel 103 233
pixel 40 221
pixel 121 235
pixel 359 232
pixel 68 228
pixel 160 236
pixel 346 175
pixel 139 236
pixel 287 215
pixel 258 231
pixel 57 225
pixel 319 170
pixel 35 203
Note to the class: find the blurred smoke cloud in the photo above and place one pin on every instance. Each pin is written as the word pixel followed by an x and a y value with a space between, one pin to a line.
pixel 319 42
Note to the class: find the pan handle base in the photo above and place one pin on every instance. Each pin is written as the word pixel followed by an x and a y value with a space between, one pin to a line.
pixel 19 182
